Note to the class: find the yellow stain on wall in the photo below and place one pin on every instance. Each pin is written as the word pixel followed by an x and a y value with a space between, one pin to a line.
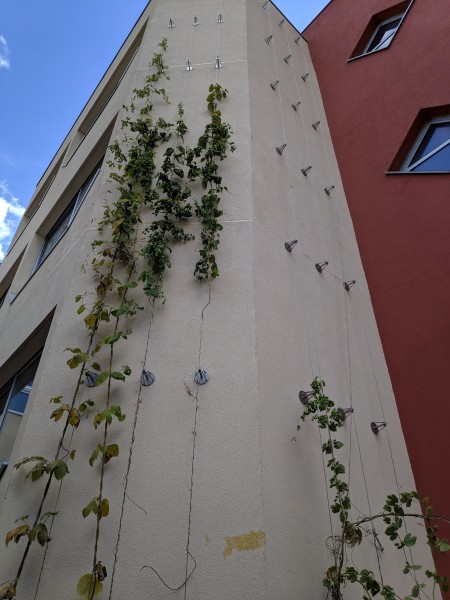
pixel 247 541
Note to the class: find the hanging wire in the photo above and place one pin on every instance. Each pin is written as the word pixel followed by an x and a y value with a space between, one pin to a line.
pixel 168 586
pixel 339 209
pixel 346 364
pixel 301 275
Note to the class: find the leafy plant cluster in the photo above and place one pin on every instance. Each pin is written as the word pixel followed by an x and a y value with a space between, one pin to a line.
pixel 162 187
pixel 394 514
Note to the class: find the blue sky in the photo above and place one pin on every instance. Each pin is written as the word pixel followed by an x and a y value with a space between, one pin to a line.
pixel 52 55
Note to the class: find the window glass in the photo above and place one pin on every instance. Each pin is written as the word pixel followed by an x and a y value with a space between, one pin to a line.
pixel 439 161
pixel 64 222
pixel 384 34
pixel 431 151
pixel 56 233
pixel 437 134
pixel 13 400
pixel 4 395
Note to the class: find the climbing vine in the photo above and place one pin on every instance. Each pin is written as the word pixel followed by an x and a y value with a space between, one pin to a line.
pixel 162 187
pixel 394 515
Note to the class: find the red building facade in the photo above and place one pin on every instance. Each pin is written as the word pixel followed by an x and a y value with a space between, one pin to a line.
pixel 383 70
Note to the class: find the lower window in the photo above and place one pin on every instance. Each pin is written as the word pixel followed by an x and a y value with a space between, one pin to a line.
pixel 431 150
pixel 13 400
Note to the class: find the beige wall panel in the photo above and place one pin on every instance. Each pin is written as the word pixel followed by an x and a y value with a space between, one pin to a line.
pixel 214 466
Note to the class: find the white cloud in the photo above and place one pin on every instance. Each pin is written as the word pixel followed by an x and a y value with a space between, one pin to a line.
pixel 10 214
pixel 4 54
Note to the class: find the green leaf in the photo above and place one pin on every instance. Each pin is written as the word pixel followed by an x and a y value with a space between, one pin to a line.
pixel 101 378
pixel 88 585
pixel 444 546
pixel 104 507
pixel 59 469
pixel 94 455
pixel 410 540
pixel 112 339
pixel 117 375
pixel 77 359
pixel 81 309
pixel 28 459
pixel 37 472
pixel 91 507
pixel 90 321
pixel 42 534
pixel 96 366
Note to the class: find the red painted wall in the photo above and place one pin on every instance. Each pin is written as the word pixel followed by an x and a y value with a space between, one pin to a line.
pixel 402 222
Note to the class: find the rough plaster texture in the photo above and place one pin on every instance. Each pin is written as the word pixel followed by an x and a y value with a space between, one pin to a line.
pixel 251 501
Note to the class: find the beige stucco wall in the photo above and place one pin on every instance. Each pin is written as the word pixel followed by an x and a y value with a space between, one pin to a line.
pixel 225 459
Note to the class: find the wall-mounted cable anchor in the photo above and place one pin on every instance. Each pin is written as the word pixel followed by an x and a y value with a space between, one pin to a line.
pixel 304 397
pixel 220 18
pixel 287 58
pixel 290 245
pixel 274 84
pixel 296 106
pixel 90 379
pixel 264 4
pixel 377 426
pixel 349 284
pixel 218 64
pixel 189 66
pixel 306 170
pixel 196 22
pixel 345 412
pixel 268 39
pixel 201 377
pixel 298 39
pixel 315 125
pixel 321 266
pixel 171 23
pixel 305 76
pixel 147 378
pixel 280 149
pixel 328 190
pixel 281 23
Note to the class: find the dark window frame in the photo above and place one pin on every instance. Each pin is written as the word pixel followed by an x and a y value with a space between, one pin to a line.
pixel 378 20
pixel 368 49
pixel 68 215
pixel 10 391
pixel 413 139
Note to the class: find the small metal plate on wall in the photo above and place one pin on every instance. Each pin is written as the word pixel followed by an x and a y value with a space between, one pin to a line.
pixel 147 378
pixel 90 379
pixel 201 377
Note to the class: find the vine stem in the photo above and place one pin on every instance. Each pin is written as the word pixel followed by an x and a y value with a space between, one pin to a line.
pixel 412 515
pixel 60 446
pixel 131 270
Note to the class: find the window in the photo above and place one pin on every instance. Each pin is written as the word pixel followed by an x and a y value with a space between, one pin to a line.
pixel 65 220
pixel 384 34
pixel 431 150
pixel 381 29
pixel 3 298
pixel 13 400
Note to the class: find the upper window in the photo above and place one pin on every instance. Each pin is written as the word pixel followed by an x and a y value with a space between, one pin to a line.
pixel 13 400
pixel 65 220
pixel 381 29
pixel 431 151
pixel 384 34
